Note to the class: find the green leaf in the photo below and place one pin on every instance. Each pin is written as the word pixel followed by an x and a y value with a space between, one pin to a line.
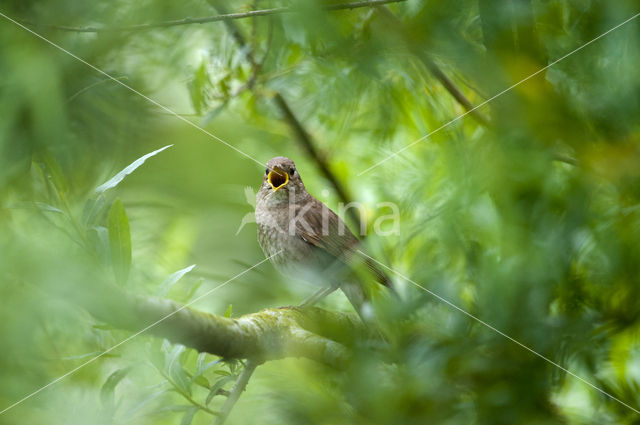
pixel 201 366
pixel 198 87
pixel 202 381
pixel 119 241
pixel 217 386
pixel 213 113
pixel 229 310
pixel 141 405
pixel 93 210
pixel 98 238
pixel 193 290
pixel 173 368
pixel 54 174
pixel 48 208
pixel 113 182
pixel 165 286
pixel 104 327
pixel 188 416
pixel 108 388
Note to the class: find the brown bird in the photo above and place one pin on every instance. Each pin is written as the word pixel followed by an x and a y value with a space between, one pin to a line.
pixel 304 238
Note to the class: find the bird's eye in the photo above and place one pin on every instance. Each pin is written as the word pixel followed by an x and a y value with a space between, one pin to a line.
pixel 266 171
pixel 292 172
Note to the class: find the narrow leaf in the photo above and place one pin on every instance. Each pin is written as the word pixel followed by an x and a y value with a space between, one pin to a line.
pixel 193 289
pixel 188 416
pixel 202 381
pixel 173 368
pixel 218 386
pixel 93 210
pixel 165 286
pixel 119 241
pixel 113 182
pixel 98 237
pixel 55 174
pixel 46 207
pixel 142 404
pixel 108 389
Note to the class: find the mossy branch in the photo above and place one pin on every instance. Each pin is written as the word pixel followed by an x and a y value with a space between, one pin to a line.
pixel 270 334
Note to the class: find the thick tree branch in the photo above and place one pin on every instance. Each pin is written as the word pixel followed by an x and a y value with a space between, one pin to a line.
pixel 217 18
pixel 270 334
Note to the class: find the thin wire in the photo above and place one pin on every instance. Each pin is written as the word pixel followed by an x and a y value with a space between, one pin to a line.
pixel 72 371
pixel 128 87
pixel 459 117
pixel 449 303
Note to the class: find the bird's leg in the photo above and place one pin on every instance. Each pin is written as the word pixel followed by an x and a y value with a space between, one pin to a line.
pixel 318 296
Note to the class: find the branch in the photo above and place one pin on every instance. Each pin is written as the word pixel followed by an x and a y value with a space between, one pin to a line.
pixel 217 18
pixel 433 68
pixel 453 90
pixel 306 141
pixel 270 334
pixel 236 391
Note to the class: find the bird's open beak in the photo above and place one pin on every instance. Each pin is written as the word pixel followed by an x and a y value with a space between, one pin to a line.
pixel 277 178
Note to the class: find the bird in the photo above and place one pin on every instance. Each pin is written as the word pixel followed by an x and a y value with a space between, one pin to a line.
pixel 305 239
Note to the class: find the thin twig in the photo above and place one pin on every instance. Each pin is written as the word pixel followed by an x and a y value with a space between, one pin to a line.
pixel 434 69
pixel 238 388
pixel 453 90
pixel 207 19
pixel 90 86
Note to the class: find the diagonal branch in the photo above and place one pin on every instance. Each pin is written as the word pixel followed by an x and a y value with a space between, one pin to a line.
pixel 270 334
pixel 208 19
pixel 433 68
pixel 306 141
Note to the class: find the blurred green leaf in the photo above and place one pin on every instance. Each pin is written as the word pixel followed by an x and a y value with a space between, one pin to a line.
pixel 93 210
pixel 218 386
pixel 54 174
pixel 98 238
pixel 174 370
pixel 193 289
pixel 188 416
pixel 107 392
pixel 119 241
pixel 115 180
pixel 202 381
pixel 45 207
pixel 164 288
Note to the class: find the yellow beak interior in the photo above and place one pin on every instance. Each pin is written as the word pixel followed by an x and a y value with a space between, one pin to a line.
pixel 277 178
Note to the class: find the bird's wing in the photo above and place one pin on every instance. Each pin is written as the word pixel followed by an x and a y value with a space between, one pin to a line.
pixel 319 226
pixel 322 228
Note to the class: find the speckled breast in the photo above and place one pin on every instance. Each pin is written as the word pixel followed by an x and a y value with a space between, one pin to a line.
pixel 289 253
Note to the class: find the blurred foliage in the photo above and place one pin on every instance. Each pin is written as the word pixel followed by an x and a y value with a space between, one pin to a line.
pixel 545 251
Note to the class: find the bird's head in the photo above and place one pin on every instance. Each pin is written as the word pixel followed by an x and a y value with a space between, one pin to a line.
pixel 281 180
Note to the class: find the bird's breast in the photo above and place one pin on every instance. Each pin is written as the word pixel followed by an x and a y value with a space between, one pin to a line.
pixel 289 253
